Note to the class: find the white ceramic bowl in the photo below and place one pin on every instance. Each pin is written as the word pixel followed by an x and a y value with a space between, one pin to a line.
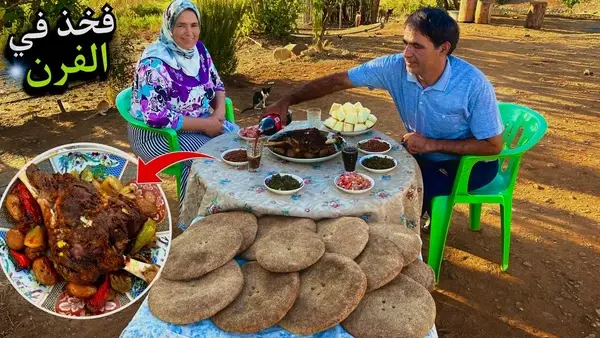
pixel 378 171
pixel 355 191
pixel 247 138
pixel 284 192
pixel 236 164
pixel 373 152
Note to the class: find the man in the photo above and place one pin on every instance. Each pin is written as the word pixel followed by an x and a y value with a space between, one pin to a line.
pixel 447 106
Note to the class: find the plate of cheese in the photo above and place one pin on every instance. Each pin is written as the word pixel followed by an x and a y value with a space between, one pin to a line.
pixel 349 119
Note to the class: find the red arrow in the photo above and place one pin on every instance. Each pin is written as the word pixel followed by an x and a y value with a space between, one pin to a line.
pixel 147 172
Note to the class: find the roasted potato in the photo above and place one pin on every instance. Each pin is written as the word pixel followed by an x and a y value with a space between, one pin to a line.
pixel 13 205
pixel 148 208
pixel 44 271
pixel 33 253
pixel 120 282
pixel 15 239
pixel 35 237
pixel 81 291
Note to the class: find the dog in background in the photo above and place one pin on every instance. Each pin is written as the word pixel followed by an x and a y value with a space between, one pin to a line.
pixel 384 15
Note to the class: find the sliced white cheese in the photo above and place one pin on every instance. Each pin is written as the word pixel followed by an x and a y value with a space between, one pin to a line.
pixel 348 127
pixel 339 126
pixel 358 105
pixel 349 108
pixel 369 123
pixel 372 118
pixel 363 115
pixel 360 127
pixel 330 122
pixel 352 119
pixel 341 115
pixel 334 108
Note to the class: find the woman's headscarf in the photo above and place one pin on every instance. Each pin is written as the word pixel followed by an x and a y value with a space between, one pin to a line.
pixel 166 49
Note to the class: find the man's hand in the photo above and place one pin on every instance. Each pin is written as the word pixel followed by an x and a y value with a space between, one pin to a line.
pixel 417 143
pixel 280 107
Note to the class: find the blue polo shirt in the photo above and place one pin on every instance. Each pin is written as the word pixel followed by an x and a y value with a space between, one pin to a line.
pixel 460 105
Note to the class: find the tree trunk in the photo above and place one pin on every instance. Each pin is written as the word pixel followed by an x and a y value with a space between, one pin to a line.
pixel 466 12
pixel 535 15
pixel 324 28
pixel 374 10
pixel 483 13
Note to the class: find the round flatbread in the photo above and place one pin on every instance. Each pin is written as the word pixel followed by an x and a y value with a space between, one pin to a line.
pixel 381 261
pixel 187 302
pixel 267 224
pixel 263 302
pixel 403 309
pixel 245 222
pixel 201 249
pixel 289 250
pixel 329 291
pixel 421 273
pixel 346 236
pixel 407 240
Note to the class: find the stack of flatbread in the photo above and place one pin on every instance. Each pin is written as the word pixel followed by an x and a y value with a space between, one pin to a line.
pixel 302 275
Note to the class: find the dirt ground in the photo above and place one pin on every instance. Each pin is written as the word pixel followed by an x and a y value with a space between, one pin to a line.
pixel 551 286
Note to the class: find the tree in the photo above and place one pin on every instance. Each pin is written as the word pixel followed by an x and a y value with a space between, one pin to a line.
pixel 322 10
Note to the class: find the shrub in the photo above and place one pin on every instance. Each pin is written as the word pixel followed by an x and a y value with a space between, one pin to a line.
pixel 122 64
pixel 148 10
pixel 220 31
pixel 276 18
pixel 408 6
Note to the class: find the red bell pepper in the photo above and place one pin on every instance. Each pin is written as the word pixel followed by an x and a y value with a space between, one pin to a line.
pixel 20 261
pixel 96 303
pixel 31 209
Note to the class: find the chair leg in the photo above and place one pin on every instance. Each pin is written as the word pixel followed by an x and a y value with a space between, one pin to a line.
pixel 440 221
pixel 475 216
pixel 505 218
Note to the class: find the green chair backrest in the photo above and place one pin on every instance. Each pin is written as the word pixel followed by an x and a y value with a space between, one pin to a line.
pixel 523 128
pixel 123 102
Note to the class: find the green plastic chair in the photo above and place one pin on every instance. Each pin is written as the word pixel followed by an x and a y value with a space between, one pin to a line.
pixel 123 103
pixel 517 120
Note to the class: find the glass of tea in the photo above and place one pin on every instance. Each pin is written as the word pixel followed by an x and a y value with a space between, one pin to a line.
pixel 349 156
pixel 254 152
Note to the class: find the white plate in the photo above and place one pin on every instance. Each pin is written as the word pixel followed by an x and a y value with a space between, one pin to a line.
pixel 285 192
pixel 348 133
pixel 247 138
pixel 355 192
pixel 373 152
pixel 378 171
pixel 235 164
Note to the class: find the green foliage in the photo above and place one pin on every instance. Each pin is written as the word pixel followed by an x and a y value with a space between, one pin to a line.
pixel 406 6
pixel 20 14
pixel 122 64
pixel 321 11
pixel 148 9
pixel 220 23
pixel 275 17
pixel 570 3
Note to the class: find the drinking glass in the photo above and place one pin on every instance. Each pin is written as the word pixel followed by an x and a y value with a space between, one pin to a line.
pixel 313 116
pixel 254 152
pixel 349 156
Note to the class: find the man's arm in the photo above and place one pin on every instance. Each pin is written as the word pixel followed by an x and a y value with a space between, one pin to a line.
pixel 309 91
pixel 417 143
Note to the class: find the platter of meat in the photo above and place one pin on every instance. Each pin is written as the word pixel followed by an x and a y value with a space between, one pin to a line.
pixel 79 237
pixel 309 145
pixel 249 133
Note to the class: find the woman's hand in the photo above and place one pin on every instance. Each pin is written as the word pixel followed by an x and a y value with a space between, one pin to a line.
pixel 212 126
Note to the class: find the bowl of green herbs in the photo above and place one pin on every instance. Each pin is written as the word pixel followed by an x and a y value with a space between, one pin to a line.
pixel 378 163
pixel 284 184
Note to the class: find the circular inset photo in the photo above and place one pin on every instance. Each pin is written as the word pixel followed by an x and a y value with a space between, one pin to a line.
pixel 80 238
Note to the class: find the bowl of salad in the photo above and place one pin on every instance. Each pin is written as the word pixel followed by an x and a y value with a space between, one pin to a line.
pixel 354 183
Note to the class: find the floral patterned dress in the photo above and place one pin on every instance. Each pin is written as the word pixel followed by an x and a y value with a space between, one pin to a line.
pixel 162 96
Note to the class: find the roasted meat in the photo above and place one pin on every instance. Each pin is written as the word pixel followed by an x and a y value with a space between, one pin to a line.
pixel 304 143
pixel 88 231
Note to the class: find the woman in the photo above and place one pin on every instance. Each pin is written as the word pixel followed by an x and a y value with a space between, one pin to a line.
pixel 175 86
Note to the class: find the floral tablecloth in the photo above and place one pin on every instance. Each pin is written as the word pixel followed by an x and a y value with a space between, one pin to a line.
pixel 215 186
